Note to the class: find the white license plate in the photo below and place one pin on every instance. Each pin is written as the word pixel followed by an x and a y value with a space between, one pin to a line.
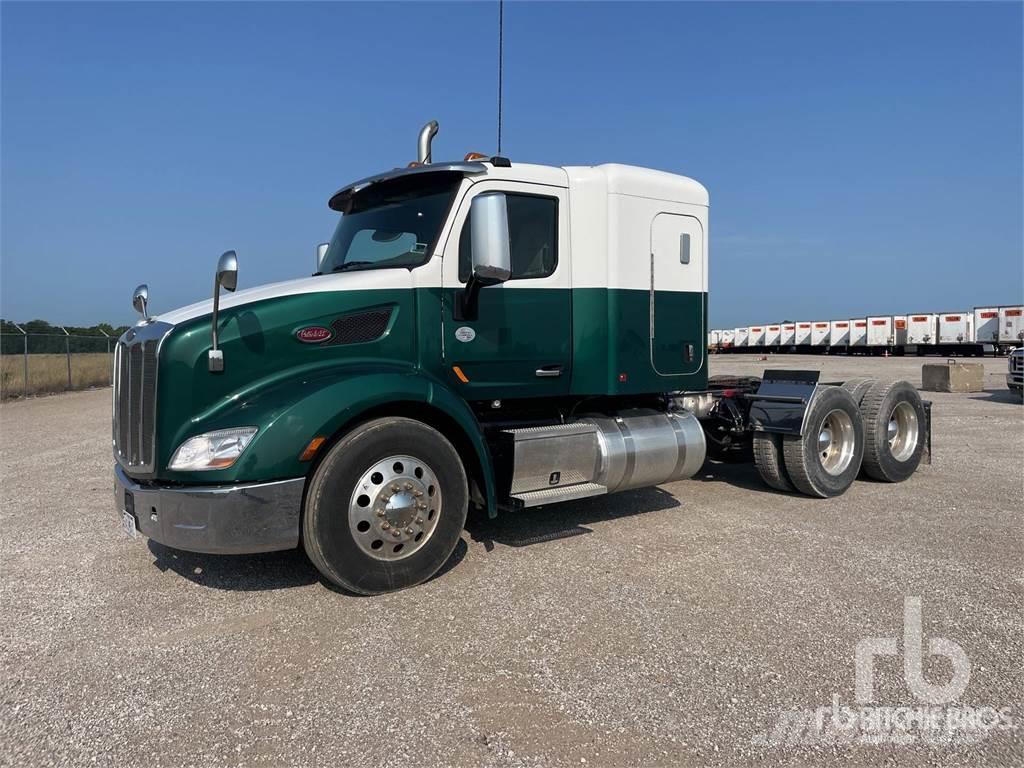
pixel 128 524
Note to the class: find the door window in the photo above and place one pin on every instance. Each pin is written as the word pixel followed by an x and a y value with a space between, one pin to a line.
pixel 533 235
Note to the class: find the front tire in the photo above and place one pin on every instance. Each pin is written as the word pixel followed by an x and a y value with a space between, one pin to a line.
pixel 386 507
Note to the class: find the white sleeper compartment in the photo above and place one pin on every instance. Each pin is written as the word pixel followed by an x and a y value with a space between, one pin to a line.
pixel 956 328
pixel 922 329
pixel 858 332
pixel 839 333
pixel 820 333
pixel 755 337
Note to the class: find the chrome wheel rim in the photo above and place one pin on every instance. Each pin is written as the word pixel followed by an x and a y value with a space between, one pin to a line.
pixel 902 431
pixel 836 442
pixel 394 508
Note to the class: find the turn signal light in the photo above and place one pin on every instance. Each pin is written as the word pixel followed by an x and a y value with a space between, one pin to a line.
pixel 460 375
pixel 312 448
pixel 474 156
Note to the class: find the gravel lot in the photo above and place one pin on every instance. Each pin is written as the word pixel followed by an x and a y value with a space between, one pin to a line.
pixel 670 626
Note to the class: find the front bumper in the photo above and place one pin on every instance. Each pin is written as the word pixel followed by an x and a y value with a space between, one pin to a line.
pixel 1015 381
pixel 217 519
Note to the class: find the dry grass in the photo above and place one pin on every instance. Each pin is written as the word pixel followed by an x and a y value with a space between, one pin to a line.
pixel 49 373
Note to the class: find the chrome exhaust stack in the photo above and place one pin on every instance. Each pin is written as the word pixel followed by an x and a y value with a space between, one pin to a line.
pixel 427 134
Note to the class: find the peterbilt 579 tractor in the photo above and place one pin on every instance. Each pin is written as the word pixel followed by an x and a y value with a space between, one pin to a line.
pixel 483 333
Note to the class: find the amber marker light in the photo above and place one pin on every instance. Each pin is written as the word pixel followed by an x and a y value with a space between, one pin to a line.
pixel 312 448
pixel 460 375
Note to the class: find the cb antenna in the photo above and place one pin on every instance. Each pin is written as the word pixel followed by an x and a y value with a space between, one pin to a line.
pixel 501 40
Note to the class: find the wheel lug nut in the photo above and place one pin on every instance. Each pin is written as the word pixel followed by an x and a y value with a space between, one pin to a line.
pixel 385 525
pixel 417 493
pixel 418 521
pixel 408 486
pixel 380 513
pixel 421 505
pixel 409 531
pixel 395 488
pixel 396 533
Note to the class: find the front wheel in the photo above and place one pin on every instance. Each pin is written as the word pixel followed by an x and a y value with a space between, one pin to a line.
pixel 386 507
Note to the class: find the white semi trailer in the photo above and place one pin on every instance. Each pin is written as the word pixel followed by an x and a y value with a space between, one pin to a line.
pixel 803 334
pixel 820 333
pixel 986 325
pixel 922 329
pixel 755 336
pixel 1011 326
pixel 771 335
pixel 787 336
pixel 858 332
pixel 839 333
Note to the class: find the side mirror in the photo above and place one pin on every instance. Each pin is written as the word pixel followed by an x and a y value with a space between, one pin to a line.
pixel 140 300
pixel 227 271
pixel 321 254
pixel 492 258
pixel 226 278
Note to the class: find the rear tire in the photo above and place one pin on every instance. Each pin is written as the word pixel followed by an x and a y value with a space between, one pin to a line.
pixel 825 460
pixel 386 507
pixel 894 424
pixel 858 388
pixel 770 463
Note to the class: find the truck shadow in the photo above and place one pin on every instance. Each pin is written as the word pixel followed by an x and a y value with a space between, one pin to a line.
pixel 998 396
pixel 739 475
pixel 564 520
pixel 244 573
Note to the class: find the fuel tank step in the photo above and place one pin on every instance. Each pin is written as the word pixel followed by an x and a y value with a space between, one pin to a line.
pixel 553 495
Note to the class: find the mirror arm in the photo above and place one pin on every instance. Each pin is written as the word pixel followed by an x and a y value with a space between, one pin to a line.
pixel 216 357
pixel 467 303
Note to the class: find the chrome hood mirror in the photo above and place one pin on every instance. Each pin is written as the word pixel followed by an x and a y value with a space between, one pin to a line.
pixel 226 278
pixel 140 300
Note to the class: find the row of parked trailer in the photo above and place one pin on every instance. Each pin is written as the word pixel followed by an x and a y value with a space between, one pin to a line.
pixel 984 329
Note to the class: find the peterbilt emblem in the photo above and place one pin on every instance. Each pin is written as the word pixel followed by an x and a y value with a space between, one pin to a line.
pixel 313 334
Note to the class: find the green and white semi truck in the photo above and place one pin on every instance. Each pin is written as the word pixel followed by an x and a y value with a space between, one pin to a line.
pixel 479 332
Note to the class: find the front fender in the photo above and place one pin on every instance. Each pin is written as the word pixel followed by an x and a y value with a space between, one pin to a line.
pixel 291 410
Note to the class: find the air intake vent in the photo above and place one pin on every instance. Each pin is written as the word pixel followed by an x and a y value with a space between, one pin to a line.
pixel 360 328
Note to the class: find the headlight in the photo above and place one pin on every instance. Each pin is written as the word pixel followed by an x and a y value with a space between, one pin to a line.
pixel 213 450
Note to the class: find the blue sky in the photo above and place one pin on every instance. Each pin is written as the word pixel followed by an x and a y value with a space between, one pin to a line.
pixel 860 157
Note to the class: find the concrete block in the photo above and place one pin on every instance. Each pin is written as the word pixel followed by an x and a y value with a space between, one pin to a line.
pixel 952 377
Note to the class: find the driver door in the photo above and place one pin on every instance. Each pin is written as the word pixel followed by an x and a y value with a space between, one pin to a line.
pixel 520 342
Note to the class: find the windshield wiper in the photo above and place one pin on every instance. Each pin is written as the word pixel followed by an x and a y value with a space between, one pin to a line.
pixel 349 264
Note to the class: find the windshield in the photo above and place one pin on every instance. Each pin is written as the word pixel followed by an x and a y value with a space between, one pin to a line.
pixel 392 224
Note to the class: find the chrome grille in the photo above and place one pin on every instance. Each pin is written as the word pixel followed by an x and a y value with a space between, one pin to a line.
pixel 135 380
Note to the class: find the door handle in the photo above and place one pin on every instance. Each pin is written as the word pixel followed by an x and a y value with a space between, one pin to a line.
pixel 549 371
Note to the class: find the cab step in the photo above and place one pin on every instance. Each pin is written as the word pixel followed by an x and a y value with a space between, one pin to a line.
pixel 527 499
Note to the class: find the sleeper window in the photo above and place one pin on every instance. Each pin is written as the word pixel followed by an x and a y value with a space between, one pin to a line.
pixel 533 235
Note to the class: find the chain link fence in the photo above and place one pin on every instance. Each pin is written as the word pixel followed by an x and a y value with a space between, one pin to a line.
pixel 41 363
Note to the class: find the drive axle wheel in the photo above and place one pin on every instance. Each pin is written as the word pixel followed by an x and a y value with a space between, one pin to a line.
pixel 770 463
pixel 386 507
pixel 894 425
pixel 858 388
pixel 825 460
